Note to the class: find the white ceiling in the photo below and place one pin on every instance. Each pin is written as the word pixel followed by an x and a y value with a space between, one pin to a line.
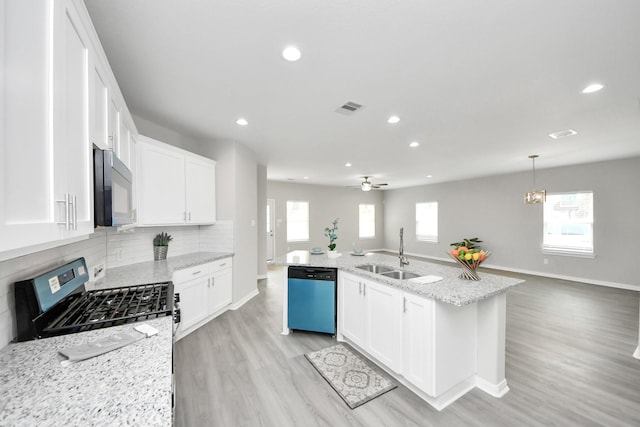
pixel 479 84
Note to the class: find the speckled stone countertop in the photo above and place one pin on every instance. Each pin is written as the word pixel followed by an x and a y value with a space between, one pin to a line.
pixel 128 386
pixel 451 289
pixel 153 271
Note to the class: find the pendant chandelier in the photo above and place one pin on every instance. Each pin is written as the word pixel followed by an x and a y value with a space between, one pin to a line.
pixel 535 196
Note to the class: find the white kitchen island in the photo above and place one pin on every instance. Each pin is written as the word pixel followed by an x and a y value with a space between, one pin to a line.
pixel 439 339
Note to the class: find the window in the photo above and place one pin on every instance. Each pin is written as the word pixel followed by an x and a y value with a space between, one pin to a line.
pixel 297 221
pixel 367 221
pixel 427 222
pixel 568 223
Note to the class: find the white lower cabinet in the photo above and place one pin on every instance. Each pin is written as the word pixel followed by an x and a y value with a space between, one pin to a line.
pixel 432 345
pixel 384 324
pixel 371 318
pixel 352 309
pixel 205 292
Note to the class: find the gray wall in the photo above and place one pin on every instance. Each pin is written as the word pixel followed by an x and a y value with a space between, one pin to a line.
pixel 492 208
pixel 325 204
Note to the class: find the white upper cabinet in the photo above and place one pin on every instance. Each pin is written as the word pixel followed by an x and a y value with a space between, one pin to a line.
pixel 46 168
pixel 57 89
pixel 73 164
pixel 98 102
pixel 174 185
pixel 200 175
pixel 160 184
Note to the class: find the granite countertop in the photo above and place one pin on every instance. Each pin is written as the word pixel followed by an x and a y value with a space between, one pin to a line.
pixel 153 271
pixel 127 386
pixel 451 289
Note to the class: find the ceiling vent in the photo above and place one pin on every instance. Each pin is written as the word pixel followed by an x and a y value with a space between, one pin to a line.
pixel 349 108
pixel 562 133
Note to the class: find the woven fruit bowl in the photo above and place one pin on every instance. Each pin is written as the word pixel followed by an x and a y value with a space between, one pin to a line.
pixel 469 260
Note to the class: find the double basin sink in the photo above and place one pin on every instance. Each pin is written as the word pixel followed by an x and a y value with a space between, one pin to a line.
pixel 389 272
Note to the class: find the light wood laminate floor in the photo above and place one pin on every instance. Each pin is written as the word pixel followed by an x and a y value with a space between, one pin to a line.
pixel 568 363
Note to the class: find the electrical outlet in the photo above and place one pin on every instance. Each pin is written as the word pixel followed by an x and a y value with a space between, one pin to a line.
pixel 545 261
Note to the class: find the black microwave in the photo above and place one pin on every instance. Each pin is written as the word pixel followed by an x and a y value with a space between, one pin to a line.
pixel 113 190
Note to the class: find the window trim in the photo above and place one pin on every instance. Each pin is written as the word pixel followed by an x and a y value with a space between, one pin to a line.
pixel 422 237
pixel 308 221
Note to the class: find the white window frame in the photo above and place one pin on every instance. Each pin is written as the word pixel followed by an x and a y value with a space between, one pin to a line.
pixel 549 247
pixel 422 237
pixel 362 225
pixel 290 221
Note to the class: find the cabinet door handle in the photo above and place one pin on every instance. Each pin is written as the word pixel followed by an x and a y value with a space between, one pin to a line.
pixel 359 288
pixel 185 215
pixel 364 289
pixel 213 282
pixel 67 220
pixel 197 272
pixel 189 216
pixel 223 264
pixel 404 304
pixel 75 212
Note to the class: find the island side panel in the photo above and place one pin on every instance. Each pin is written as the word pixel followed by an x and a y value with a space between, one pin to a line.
pixel 491 345
pixel 636 353
pixel 285 300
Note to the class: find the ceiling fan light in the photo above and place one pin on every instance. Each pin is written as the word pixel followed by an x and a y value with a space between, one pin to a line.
pixel 366 186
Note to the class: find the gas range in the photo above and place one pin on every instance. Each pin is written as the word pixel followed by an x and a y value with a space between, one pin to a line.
pixel 56 303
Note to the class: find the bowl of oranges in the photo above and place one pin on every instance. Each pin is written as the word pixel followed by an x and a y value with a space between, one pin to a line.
pixel 469 255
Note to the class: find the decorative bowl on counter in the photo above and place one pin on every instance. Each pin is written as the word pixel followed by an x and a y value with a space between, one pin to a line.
pixel 469 260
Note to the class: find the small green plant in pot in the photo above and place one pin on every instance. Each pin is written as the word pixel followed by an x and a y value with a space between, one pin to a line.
pixel 161 246
pixel 331 233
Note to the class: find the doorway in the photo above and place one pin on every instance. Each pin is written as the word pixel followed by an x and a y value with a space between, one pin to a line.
pixel 271 240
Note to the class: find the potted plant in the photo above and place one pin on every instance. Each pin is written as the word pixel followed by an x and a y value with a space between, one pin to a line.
pixel 161 246
pixel 330 232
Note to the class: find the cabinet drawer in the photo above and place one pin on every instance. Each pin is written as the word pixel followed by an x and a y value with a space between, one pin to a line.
pixel 191 273
pixel 221 264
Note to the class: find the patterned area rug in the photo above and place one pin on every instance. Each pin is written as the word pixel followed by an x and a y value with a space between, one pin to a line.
pixel 349 374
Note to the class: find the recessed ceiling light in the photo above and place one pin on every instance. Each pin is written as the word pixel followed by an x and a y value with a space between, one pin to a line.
pixel 593 88
pixel 291 53
pixel 414 144
pixel 242 122
pixel 306 177
pixel 393 120
pixel 429 176
pixel 348 165
pixel 562 133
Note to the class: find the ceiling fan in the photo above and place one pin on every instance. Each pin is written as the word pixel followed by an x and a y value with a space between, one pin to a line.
pixel 367 185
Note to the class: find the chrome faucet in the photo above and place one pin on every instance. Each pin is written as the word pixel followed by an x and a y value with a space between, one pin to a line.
pixel 403 259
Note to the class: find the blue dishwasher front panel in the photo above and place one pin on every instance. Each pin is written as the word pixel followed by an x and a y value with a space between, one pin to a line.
pixel 312 305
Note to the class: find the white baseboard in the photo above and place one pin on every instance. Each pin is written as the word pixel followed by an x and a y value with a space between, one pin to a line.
pixel 536 273
pixel 236 305
pixel 495 390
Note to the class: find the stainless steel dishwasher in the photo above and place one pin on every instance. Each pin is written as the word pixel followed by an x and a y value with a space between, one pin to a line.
pixel 312 299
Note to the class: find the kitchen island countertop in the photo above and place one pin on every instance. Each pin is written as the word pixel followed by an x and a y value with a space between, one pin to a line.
pixel 451 289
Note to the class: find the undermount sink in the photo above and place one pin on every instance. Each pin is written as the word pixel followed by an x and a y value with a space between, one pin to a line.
pixel 400 275
pixel 374 268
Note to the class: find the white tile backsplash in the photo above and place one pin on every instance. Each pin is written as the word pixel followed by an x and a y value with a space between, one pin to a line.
pixel 111 249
